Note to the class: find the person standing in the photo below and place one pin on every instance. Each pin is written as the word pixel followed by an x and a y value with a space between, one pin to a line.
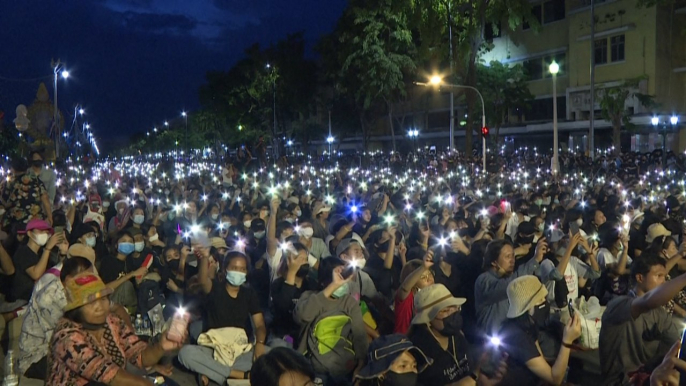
pixel 45 174
pixel 24 197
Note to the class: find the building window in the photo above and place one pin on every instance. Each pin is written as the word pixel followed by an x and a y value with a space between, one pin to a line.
pixel 617 48
pixel 600 50
pixel 533 69
pixel 537 13
pixel 553 10
pixel 537 68
pixel 491 31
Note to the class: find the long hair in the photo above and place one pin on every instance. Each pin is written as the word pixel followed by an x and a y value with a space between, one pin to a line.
pixel 268 369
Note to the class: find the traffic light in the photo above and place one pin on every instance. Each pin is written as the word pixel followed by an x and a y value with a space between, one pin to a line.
pixel 484 132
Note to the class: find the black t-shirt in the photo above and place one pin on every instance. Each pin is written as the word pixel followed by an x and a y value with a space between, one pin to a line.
pixel 22 284
pixel 520 345
pixel 452 282
pixel 449 365
pixel 112 269
pixel 133 263
pixel 284 299
pixel 225 311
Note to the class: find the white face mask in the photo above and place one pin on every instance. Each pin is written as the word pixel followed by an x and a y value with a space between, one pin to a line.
pixel 247 223
pixel 121 211
pixel 90 241
pixel 138 246
pixel 138 219
pixel 361 263
pixel 154 238
pixel 306 232
pixel 106 204
pixel 41 239
pixel 579 222
pixel 215 216
pixel 298 212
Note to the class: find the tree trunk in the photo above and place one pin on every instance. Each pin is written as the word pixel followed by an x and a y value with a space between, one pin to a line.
pixel 471 105
pixel 390 122
pixel 617 136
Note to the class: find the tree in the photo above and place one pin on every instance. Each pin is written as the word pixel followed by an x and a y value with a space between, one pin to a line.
pixel 612 102
pixel 468 20
pixel 376 50
pixel 504 89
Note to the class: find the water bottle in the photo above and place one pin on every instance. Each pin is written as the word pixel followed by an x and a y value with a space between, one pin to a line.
pixel 138 325
pixel 155 324
pixel 11 377
pixel 146 326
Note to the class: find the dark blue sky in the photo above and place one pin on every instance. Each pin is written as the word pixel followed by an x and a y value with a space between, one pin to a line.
pixel 135 63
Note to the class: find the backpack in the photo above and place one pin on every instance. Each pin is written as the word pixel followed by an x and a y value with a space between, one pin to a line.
pixel 149 295
pixel 327 344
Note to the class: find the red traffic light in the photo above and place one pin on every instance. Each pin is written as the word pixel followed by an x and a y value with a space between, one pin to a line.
pixel 484 131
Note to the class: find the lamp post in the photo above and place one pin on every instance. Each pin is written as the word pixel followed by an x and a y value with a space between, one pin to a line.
pixel 329 139
pixel 437 81
pixel 554 68
pixel 413 133
pixel 58 70
pixel 185 115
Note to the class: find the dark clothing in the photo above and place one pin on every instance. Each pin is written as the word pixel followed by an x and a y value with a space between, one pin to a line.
pixel 225 311
pixel 22 284
pixel 23 197
pixel 452 282
pixel 284 299
pixel 520 344
pixel 449 365
pixel 382 277
pixel 112 269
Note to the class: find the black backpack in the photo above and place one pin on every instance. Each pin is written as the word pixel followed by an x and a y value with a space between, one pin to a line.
pixel 149 295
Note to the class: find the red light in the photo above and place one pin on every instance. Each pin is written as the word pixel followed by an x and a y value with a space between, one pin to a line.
pixel 484 131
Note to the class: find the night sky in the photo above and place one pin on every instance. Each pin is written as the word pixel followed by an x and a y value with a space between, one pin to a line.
pixel 135 63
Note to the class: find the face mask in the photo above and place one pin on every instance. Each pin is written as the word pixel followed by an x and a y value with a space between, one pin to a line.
pixel 306 232
pixel 106 204
pixel 41 239
pixel 298 213
pixel 541 314
pixel 303 271
pixel 37 163
pixel 166 192
pixel 246 224
pixel 539 202
pixel 171 215
pixel 541 227
pixel 174 264
pixel 139 245
pixel 138 219
pixel 361 263
pixel 340 291
pixel 383 247
pixel 234 278
pixel 290 220
pixel 215 216
pixel 90 241
pixel 556 201
pixel 452 325
pixel 259 235
pixel 125 248
pixel 579 222
pixel 120 211
pixel 394 379
pixel 154 238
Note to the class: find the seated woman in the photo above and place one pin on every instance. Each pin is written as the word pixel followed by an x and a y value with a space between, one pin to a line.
pixel 519 335
pixel 282 367
pixel 91 345
pixel 393 361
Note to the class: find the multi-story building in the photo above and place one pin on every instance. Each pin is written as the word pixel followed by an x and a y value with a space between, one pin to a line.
pixel 629 42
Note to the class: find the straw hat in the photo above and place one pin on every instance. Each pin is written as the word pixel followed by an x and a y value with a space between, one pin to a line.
pixel 83 289
pixel 431 300
pixel 524 293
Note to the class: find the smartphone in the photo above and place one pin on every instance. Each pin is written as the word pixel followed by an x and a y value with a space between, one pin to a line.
pixel 59 229
pixel 493 355
pixel 179 325
pixel 574 227
pixel 348 271
pixel 571 310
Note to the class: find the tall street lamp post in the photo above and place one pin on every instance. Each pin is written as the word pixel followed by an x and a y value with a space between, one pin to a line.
pixel 185 115
pixel 554 68
pixel 58 70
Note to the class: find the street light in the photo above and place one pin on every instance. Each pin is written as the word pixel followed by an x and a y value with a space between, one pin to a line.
pixel 329 139
pixel 554 68
pixel 655 121
pixel 674 120
pixel 437 81
pixel 183 114
pixel 58 70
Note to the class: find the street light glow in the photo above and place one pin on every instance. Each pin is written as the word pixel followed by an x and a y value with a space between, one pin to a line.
pixel 674 119
pixel 329 139
pixel 81 111
pixel 654 121
pixel 183 113
pixel 554 68
pixel 65 74
pixel 166 123
pixel 436 80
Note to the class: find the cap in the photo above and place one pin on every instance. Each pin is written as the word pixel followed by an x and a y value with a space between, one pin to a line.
pixel 218 242
pixel 344 245
pixel 81 230
pixel 656 230
pixel 319 207
pixel 38 224
pixel 385 350
pixel 431 300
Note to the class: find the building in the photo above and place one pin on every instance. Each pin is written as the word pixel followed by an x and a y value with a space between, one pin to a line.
pixel 629 42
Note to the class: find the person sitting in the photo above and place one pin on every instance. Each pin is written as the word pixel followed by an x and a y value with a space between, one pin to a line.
pixel 91 345
pixel 333 301
pixel 45 310
pixel 519 335
pixel 490 289
pixel 117 274
pixel 635 326
pixel 282 367
pixel 415 276
pixel 393 361
pixel 229 304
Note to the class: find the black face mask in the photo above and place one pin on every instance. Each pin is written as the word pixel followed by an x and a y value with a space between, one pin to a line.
pixel 37 163
pixel 452 325
pixel 525 239
pixel 303 271
pixel 394 379
pixel 174 264
pixel 541 315
pixel 383 247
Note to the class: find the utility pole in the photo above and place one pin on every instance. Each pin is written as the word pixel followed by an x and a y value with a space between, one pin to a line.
pixel 591 140
pixel 452 94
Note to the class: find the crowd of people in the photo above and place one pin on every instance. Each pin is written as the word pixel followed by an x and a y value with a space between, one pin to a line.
pixel 384 271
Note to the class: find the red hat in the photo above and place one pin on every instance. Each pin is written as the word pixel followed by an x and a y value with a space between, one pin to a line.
pixel 38 224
